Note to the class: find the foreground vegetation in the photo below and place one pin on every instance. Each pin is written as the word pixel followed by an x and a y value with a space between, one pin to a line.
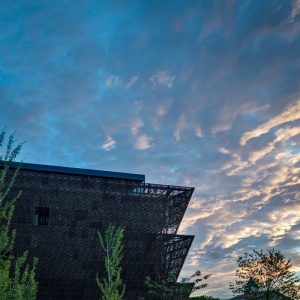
pixel 17 276
pixel 111 285
pixel 266 274
pixel 171 290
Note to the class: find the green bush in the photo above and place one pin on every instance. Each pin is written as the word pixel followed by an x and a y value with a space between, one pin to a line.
pixel 17 278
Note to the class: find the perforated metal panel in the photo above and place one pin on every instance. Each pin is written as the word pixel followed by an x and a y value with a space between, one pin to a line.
pixel 79 205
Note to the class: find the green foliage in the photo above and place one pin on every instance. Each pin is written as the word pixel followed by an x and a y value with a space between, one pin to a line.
pixel 22 284
pixel 162 290
pixel 197 279
pixel 111 287
pixel 170 290
pixel 17 279
pixel 269 272
pixel 204 297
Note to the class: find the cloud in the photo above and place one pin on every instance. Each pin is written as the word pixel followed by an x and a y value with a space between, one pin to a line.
pixel 162 110
pixel 228 113
pixel 291 113
pixel 162 78
pixel 282 135
pixel 113 81
pixel 198 211
pixel 295 11
pixel 109 144
pixel 198 132
pixel 131 82
pixel 263 199
pixel 179 127
pixel 136 125
pixel 144 142
pixel 223 150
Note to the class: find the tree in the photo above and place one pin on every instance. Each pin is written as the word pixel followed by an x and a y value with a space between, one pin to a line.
pixel 204 298
pixel 269 271
pixel 170 290
pixel 17 279
pixel 111 287
pixel 251 287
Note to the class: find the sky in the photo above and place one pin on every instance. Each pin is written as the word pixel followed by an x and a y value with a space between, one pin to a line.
pixel 195 93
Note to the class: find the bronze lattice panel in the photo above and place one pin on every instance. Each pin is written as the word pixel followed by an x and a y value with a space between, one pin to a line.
pixel 68 252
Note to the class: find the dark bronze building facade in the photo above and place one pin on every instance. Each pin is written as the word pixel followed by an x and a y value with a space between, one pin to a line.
pixel 61 209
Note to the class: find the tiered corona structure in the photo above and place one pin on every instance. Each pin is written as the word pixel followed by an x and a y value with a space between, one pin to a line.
pixel 61 209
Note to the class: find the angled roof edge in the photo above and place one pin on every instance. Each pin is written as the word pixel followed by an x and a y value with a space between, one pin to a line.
pixel 76 171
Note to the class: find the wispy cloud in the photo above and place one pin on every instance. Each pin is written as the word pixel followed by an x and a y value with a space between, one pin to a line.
pixel 162 78
pixel 109 144
pixel 295 10
pixel 291 113
pixel 131 82
pixel 199 132
pixel 282 136
pixel 144 142
pixel 113 81
pixel 223 150
pixel 227 114
pixel 162 110
pixel 136 125
pixel 179 127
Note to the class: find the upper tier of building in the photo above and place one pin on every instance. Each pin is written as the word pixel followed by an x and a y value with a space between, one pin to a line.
pixel 78 171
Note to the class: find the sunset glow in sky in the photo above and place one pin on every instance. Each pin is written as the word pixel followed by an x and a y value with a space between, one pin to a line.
pixel 196 93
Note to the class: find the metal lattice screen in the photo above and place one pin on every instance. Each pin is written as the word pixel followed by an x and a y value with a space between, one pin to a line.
pixel 68 252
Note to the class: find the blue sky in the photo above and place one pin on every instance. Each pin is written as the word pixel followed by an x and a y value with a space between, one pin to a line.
pixel 197 93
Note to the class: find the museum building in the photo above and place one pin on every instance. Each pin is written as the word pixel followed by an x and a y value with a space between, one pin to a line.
pixel 61 209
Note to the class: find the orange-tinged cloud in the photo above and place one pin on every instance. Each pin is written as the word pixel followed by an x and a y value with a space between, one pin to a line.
pixel 292 113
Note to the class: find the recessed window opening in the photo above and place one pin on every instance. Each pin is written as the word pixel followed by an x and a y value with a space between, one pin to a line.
pixel 42 216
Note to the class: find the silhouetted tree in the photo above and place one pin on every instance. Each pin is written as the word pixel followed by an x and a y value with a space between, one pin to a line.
pixel 270 272
pixel 170 290
pixel 111 286
pixel 17 278
pixel 204 297
pixel 251 286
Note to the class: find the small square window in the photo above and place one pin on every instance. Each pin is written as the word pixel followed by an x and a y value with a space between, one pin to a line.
pixel 41 216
